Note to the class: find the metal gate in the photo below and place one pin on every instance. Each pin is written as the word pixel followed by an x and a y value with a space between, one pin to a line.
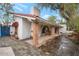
pixel 5 31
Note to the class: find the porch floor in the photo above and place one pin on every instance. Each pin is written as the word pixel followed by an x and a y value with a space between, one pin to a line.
pixel 43 39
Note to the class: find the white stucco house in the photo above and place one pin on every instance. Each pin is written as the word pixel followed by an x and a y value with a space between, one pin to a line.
pixel 32 24
pixel 24 28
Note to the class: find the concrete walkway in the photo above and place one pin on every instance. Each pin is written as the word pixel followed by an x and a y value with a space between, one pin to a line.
pixel 67 47
pixel 6 51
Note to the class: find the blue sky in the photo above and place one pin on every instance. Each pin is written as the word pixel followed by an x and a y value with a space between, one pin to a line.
pixel 27 7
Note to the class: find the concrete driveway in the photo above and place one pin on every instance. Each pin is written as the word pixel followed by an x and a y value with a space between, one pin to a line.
pixel 6 51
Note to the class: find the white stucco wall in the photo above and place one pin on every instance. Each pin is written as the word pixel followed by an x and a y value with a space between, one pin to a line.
pixel 19 20
pixel 12 30
pixel 24 28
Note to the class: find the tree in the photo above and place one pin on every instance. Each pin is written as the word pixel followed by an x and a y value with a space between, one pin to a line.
pixel 67 11
pixel 52 19
pixel 76 23
pixel 6 8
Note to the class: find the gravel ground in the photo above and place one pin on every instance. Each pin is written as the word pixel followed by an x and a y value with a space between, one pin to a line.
pixel 20 48
pixel 60 46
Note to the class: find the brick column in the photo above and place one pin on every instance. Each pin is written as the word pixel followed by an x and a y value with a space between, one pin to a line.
pixel 53 30
pixel 35 34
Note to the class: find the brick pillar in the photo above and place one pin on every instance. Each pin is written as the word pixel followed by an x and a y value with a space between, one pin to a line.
pixel 53 30
pixel 35 34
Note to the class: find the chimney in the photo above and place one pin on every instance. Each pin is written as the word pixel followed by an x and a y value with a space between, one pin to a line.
pixel 35 11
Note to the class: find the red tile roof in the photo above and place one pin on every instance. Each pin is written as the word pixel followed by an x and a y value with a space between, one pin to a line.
pixel 29 15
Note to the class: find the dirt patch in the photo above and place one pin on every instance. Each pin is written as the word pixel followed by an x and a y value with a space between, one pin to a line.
pixel 50 47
